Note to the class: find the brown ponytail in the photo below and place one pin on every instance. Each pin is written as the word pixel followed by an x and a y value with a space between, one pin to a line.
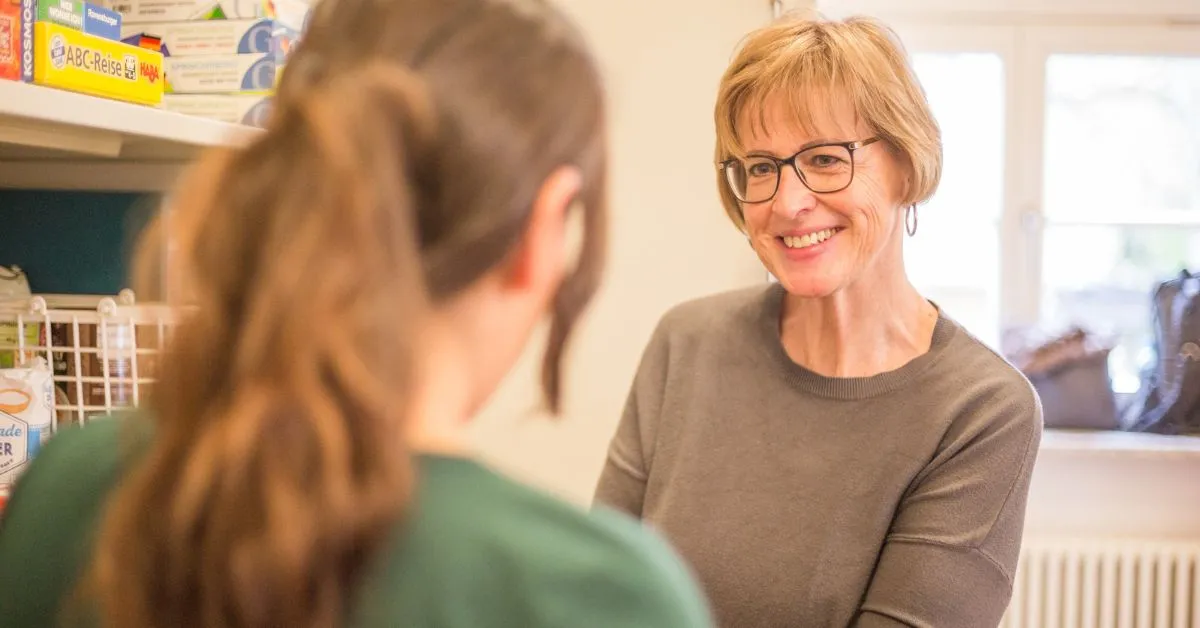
pixel 408 143
pixel 278 462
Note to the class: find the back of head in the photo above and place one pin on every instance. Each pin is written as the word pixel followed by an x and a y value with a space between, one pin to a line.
pixel 814 64
pixel 407 143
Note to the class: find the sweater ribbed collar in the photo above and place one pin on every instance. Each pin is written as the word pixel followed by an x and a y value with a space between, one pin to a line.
pixel 846 388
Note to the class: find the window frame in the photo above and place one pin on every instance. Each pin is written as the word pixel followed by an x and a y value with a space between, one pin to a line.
pixel 1025 45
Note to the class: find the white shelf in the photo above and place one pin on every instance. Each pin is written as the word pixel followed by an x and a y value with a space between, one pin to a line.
pixel 1121 443
pixel 58 140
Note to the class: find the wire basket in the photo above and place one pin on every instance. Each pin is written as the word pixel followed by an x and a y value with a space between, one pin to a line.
pixel 103 350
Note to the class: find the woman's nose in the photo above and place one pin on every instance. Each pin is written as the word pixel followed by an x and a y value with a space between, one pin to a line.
pixel 792 198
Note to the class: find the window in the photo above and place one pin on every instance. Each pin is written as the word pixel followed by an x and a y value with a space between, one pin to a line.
pixel 1122 184
pixel 1072 177
pixel 961 222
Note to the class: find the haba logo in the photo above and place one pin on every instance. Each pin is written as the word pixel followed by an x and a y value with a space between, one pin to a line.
pixel 150 71
pixel 58 52
pixel 1190 351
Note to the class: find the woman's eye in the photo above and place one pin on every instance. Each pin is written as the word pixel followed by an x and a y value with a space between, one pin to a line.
pixel 761 169
pixel 824 161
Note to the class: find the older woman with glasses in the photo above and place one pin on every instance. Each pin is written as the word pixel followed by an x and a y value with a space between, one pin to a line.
pixel 831 449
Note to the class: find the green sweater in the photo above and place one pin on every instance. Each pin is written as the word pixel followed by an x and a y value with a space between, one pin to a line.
pixel 479 550
pixel 802 500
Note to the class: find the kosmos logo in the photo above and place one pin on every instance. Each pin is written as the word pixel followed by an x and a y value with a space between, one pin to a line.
pixel 27 8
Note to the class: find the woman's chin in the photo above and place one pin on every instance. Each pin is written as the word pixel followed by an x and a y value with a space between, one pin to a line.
pixel 809 286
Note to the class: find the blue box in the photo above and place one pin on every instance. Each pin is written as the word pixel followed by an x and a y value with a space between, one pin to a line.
pixel 101 22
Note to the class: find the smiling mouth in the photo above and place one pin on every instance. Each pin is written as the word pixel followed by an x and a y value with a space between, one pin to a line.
pixel 809 239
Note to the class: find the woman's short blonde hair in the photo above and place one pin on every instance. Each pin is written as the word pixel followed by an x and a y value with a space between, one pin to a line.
pixel 809 61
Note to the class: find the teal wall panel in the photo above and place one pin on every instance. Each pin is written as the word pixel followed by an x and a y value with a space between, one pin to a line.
pixel 72 242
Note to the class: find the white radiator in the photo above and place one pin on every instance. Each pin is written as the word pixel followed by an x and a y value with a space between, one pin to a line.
pixel 1106 584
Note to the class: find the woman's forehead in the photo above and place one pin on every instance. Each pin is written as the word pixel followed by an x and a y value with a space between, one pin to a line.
pixel 787 121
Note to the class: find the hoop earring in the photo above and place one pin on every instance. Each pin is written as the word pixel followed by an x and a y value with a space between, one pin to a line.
pixel 910 220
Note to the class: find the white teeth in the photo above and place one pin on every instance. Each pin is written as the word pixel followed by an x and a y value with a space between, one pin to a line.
pixel 808 239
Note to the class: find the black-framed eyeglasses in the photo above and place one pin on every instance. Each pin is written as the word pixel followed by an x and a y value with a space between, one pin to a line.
pixel 824 169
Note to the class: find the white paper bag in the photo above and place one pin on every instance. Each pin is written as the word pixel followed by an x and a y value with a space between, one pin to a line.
pixel 26 416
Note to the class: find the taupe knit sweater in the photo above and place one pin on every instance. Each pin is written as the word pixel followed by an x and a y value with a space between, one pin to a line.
pixel 803 500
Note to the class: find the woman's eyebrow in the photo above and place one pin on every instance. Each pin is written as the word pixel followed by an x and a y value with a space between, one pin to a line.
pixel 803 147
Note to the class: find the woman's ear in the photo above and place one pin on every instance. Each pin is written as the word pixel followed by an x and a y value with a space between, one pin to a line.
pixel 902 175
pixel 540 260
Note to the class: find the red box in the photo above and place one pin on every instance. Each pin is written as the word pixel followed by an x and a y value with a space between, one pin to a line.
pixel 10 40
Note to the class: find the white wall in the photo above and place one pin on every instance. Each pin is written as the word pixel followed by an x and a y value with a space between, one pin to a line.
pixel 670 240
pixel 1115 485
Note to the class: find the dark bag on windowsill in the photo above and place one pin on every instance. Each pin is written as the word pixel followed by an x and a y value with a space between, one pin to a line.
pixel 1070 374
pixel 1168 401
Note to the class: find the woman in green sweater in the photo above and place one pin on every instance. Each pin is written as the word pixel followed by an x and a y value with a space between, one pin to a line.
pixel 363 274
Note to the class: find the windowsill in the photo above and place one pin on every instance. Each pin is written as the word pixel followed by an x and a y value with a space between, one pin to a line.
pixel 1118 442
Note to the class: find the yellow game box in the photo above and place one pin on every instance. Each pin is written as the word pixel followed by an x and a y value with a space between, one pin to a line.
pixel 73 60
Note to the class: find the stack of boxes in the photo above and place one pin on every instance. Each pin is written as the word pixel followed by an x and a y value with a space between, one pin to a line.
pixel 75 45
pixel 221 60
pixel 216 59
